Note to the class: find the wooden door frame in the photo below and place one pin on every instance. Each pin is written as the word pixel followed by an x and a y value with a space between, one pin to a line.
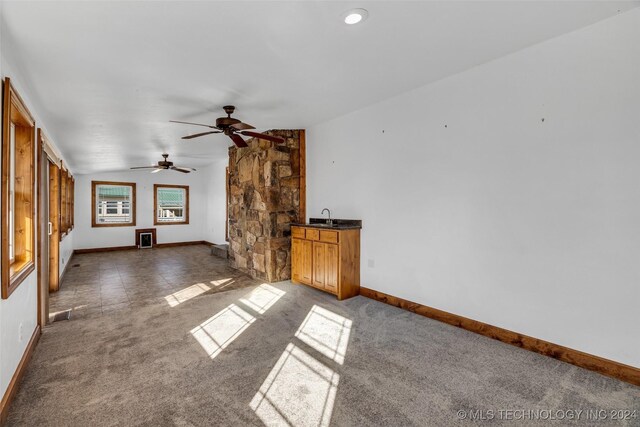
pixel 54 238
pixel 302 212
pixel 226 204
pixel 43 300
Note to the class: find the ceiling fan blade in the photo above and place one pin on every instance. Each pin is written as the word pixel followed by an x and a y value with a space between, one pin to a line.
pixel 240 143
pixel 185 168
pixel 276 139
pixel 175 168
pixel 242 126
pixel 195 124
pixel 196 135
pixel 157 170
pixel 144 167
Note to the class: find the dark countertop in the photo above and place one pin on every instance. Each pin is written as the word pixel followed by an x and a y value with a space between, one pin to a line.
pixel 338 224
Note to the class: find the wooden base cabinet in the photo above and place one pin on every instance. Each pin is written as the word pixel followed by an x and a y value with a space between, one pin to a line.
pixel 325 266
pixel 301 253
pixel 327 259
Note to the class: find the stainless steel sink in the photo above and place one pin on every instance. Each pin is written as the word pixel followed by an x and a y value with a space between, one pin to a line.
pixel 335 224
pixel 323 225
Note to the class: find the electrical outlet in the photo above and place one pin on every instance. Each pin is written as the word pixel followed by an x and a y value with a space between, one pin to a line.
pixel 20 333
pixel 372 263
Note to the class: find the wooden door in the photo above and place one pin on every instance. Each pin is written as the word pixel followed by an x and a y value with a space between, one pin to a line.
pixel 54 224
pixel 318 264
pixel 331 267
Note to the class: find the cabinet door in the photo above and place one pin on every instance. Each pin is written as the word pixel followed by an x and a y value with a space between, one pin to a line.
pixel 307 251
pixel 296 260
pixel 318 264
pixel 301 260
pixel 331 267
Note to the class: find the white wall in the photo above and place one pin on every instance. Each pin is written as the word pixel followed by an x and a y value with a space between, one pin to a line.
pixel 216 202
pixel 66 250
pixel 18 313
pixel 90 237
pixel 472 204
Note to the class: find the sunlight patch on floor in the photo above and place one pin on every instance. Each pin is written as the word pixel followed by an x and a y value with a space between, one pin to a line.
pixel 216 333
pixel 299 390
pixel 53 314
pixel 186 294
pixel 326 332
pixel 220 282
pixel 262 298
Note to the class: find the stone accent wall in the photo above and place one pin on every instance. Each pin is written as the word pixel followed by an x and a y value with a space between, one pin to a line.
pixel 264 198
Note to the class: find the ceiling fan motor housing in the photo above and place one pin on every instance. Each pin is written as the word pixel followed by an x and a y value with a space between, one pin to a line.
pixel 225 122
pixel 165 163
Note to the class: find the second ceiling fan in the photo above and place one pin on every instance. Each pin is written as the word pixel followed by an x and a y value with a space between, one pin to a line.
pixel 233 128
pixel 166 165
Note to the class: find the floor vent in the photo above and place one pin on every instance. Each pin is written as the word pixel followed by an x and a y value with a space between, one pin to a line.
pixel 63 315
pixel 75 265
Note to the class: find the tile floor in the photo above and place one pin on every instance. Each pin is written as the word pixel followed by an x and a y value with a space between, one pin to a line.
pixel 104 282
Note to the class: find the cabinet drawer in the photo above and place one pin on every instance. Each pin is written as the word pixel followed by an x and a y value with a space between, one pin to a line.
pixel 297 232
pixel 329 236
pixel 313 234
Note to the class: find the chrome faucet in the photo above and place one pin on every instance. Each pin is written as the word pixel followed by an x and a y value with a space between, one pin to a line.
pixel 329 221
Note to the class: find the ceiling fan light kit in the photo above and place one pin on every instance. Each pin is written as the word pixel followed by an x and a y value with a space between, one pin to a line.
pixel 232 128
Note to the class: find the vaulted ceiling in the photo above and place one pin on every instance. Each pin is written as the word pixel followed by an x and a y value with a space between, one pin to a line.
pixel 108 76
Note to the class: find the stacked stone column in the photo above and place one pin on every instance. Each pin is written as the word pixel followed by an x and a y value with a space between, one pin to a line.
pixel 264 199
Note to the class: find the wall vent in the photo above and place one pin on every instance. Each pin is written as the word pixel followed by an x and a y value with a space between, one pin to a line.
pixel 146 241
pixel 149 238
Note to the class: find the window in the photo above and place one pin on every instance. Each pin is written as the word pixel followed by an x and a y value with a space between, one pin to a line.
pixel 113 204
pixel 12 189
pixel 18 202
pixel 171 204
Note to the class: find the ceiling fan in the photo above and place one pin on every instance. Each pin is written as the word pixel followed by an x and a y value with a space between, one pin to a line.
pixel 166 165
pixel 233 128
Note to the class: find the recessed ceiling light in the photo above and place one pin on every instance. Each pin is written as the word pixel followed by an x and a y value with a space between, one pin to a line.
pixel 355 16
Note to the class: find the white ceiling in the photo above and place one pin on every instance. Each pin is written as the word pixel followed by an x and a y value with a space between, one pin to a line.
pixel 107 76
